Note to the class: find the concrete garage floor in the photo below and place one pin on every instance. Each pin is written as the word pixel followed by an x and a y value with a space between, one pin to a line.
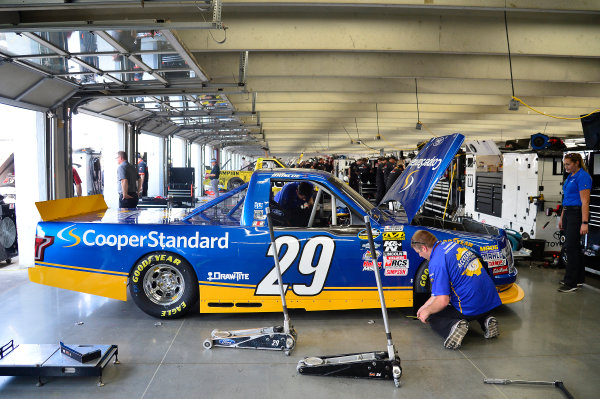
pixel 547 336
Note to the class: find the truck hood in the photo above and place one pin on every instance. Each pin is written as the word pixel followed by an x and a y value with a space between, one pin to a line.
pixel 413 187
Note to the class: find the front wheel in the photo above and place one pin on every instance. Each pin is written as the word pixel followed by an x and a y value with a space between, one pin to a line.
pixel 422 286
pixel 234 183
pixel 163 285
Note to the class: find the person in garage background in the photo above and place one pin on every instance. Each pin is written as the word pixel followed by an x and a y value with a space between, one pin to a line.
pixel 142 169
pixel 461 290
pixel 574 219
pixel 214 174
pixel 128 182
pixel 77 183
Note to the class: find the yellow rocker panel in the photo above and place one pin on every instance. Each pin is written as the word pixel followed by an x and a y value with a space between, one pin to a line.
pixel 215 298
pixel 113 285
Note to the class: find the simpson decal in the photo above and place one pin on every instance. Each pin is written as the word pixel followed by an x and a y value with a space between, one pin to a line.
pixel 259 215
pixel 396 272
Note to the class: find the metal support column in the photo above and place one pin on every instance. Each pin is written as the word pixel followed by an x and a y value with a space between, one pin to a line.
pixel 169 161
pixel 60 163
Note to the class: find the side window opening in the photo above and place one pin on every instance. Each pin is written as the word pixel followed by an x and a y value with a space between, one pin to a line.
pixel 322 211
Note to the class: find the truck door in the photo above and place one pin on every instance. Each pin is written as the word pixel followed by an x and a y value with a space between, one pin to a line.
pixel 320 255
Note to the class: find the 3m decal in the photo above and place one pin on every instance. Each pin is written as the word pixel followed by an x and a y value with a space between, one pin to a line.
pixel 394 235
pixel 363 234
pixel 392 246
pixel 315 260
pixel 258 223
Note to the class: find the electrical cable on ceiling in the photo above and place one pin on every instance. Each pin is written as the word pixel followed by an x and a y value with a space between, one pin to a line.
pixel 210 33
pixel 554 116
pixel 351 139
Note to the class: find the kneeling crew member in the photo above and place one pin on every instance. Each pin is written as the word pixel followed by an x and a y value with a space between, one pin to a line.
pixel 461 290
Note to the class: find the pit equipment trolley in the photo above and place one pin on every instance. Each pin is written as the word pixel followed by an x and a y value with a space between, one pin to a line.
pixel 46 360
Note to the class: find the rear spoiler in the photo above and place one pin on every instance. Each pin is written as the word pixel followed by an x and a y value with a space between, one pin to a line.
pixel 68 207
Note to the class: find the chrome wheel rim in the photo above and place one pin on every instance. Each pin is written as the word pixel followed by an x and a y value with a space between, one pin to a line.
pixel 164 284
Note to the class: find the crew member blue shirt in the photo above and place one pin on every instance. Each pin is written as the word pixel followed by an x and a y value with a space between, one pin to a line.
pixel 287 198
pixel 457 272
pixel 573 185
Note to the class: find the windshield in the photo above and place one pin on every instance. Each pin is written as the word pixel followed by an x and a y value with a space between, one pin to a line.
pixel 349 191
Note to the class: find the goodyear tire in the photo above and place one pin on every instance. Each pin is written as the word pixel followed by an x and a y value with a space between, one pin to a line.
pixel 163 285
pixel 234 183
pixel 422 286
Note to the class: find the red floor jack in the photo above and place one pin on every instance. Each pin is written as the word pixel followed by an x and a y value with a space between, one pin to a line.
pixel 557 384
pixel 373 365
pixel 267 338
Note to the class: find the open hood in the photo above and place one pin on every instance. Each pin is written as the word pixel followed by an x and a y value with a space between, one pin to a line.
pixel 413 187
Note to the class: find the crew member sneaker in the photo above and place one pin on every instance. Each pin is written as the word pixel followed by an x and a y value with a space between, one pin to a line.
pixel 491 328
pixel 457 333
pixel 562 282
pixel 566 288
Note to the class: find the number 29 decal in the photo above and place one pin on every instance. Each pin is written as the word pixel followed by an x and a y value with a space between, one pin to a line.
pixel 312 262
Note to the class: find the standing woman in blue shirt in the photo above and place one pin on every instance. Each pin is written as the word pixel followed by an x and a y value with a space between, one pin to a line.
pixel 574 219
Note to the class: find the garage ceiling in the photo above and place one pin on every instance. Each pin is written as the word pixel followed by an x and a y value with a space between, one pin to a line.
pixel 318 77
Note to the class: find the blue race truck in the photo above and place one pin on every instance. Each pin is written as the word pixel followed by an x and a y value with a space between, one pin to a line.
pixel 220 253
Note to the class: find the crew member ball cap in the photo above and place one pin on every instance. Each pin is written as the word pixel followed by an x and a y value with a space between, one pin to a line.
pixel 213 160
pixel 137 154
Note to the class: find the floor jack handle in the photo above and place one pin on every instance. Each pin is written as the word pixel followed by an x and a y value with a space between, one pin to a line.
pixel 557 384
pixel 388 333
pixel 286 317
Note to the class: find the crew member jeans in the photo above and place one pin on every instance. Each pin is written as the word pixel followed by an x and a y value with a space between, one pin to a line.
pixel 574 269
pixel 442 321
